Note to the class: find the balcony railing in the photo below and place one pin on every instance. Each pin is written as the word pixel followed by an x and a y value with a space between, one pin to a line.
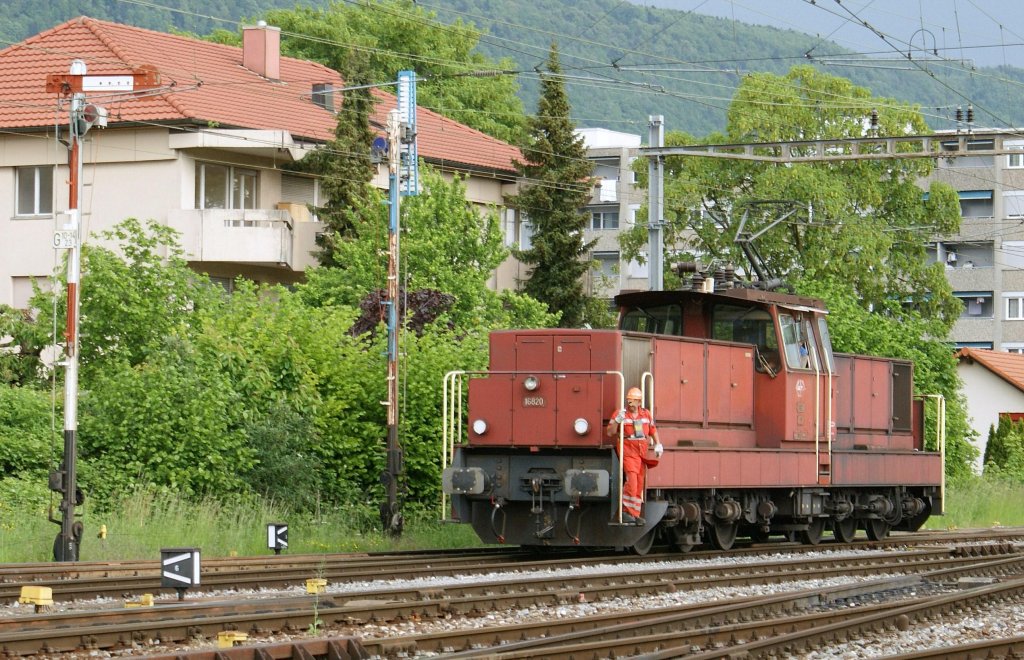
pixel 268 237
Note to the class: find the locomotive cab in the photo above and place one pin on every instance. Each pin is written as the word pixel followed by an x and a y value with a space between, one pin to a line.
pixel 766 430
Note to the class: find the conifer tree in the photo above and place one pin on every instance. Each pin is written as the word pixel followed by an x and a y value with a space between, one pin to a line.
pixel 345 166
pixel 556 190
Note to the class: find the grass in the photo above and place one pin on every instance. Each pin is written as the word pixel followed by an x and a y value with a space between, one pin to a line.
pixel 143 523
pixel 981 503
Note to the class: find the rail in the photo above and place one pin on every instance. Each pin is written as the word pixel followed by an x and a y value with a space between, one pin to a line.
pixel 452 428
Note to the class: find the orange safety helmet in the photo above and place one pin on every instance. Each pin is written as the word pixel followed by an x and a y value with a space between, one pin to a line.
pixel 634 393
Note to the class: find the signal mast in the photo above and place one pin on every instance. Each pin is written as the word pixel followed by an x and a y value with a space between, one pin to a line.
pixel 82 117
pixel 403 179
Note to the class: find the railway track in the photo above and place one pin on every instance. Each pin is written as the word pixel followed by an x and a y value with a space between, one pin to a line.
pixel 535 584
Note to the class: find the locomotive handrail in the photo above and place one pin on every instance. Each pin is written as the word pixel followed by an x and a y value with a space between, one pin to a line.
pixel 828 418
pixel 644 378
pixel 451 413
pixel 940 441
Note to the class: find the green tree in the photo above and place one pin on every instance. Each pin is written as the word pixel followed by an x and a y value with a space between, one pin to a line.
pixel 173 421
pixel 22 340
pixel 861 221
pixel 1004 452
pixel 447 244
pixel 345 167
pixel 130 300
pixel 557 188
pixel 28 443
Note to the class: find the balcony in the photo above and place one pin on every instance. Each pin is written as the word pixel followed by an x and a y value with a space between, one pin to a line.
pixel 260 237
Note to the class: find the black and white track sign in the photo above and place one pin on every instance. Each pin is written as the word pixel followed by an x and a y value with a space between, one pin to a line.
pixel 277 536
pixel 179 567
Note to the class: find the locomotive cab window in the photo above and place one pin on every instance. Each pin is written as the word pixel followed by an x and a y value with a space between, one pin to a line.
pixel 826 344
pixel 798 341
pixel 660 320
pixel 749 325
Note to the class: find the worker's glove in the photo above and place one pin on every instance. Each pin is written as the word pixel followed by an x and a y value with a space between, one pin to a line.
pixel 658 450
pixel 620 417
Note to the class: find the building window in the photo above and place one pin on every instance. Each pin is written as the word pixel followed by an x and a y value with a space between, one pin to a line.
pixel 977 304
pixel 604 219
pixel 1013 203
pixel 1015 157
pixel 1014 305
pixel 34 190
pixel 525 234
pixel 225 187
pixel 607 265
pixel 1015 347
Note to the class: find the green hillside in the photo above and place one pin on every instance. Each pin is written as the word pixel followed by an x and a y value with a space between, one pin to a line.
pixel 623 62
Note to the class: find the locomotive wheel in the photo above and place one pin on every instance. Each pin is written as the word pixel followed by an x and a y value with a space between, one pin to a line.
pixel 844 530
pixel 758 536
pixel 644 544
pixel 877 529
pixel 723 534
pixel 812 535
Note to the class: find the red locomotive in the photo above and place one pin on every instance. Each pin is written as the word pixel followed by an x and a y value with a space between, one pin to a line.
pixel 765 429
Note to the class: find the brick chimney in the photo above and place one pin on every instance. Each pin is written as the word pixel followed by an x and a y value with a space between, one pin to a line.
pixel 261 50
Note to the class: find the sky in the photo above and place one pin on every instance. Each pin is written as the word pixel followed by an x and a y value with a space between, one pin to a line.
pixel 987 32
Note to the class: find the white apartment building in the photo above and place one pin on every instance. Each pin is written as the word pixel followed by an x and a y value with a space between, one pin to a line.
pixel 205 152
pixel 612 209
pixel 985 260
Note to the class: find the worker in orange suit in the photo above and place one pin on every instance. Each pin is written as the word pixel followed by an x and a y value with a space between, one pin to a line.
pixel 639 433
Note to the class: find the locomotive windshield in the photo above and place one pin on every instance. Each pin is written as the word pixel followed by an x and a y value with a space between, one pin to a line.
pixel 656 319
pixel 750 325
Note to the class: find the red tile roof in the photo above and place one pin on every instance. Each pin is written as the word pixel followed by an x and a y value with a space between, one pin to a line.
pixel 1008 366
pixel 205 83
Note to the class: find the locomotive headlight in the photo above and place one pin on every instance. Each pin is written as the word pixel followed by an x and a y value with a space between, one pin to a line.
pixel 479 426
pixel 531 383
pixel 581 426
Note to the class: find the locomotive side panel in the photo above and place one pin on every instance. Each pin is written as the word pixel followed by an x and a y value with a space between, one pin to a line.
pixel 679 377
pixel 877 468
pixel 704 392
pixel 730 386
pixel 714 467
pixel 874 403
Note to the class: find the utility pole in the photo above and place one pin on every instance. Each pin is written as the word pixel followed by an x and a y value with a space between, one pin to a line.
pixel 82 117
pixel 403 179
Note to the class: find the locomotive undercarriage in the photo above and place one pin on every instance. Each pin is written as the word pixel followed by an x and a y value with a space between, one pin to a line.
pixel 566 499
pixel 719 516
